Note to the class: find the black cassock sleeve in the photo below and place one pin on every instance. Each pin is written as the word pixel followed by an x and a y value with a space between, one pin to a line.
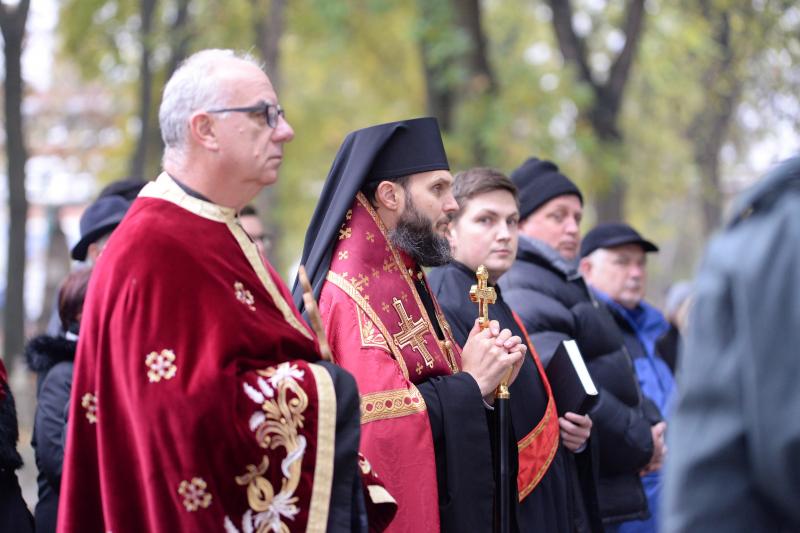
pixel 462 436
pixel 347 510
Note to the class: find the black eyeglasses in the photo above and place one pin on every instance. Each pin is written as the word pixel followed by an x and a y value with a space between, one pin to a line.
pixel 270 111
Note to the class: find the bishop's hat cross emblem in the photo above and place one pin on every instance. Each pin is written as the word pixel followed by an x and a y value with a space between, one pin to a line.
pixel 483 295
pixel 411 333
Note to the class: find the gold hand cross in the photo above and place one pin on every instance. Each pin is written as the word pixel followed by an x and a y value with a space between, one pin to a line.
pixel 483 295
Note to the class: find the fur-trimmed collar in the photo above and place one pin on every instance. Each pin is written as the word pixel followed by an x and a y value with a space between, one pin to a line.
pixel 44 351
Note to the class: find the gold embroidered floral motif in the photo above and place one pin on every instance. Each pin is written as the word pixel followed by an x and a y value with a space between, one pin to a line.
pixel 244 296
pixel 370 336
pixel 376 273
pixel 419 368
pixel 370 237
pixel 345 233
pixel 385 307
pixel 391 404
pixel 349 214
pixel 89 402
pixel 194 494
pixel 161 365
pixel 343 254
pixel 281 402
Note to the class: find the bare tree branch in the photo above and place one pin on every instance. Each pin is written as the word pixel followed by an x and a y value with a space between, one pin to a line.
pixel 620 70
pixel 573 48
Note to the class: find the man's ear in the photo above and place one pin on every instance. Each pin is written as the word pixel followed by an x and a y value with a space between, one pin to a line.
pixel 585 267
pixel 202 130
pixel 390 196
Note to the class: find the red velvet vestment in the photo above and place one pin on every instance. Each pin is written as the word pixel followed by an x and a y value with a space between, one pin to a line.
pixel 196 402
pixel 379 331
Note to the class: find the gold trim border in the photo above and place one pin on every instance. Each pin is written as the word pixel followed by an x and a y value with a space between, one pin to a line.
pixel 524 443
pixel 398 409
pixel 323 468
pixel 351 291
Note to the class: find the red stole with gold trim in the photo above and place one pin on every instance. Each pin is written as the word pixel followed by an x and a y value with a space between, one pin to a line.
pixel 380 331
pixel 537 448
pixel 381 275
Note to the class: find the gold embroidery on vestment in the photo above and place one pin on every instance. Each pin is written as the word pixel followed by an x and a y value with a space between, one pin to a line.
pixel 364 305
pixel 391 404
pixel 89 402
pixel 370 336
pixel 370 237
pixel 282 402
pixel 161 365
pixel 362 281
pixel 244 296
pixel 412 333
pixel 345 233
pixel 343 254
pixel 194 494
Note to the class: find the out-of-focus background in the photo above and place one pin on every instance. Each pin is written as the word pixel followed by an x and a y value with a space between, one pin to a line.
pixel 661 110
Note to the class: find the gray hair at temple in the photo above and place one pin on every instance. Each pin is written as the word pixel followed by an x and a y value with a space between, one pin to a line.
pixel 193 86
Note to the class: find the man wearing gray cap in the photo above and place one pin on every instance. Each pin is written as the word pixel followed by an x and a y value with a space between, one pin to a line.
pixel 545 288
pixel 614 264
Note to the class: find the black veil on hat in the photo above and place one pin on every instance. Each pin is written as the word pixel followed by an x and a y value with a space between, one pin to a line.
pixel 370 155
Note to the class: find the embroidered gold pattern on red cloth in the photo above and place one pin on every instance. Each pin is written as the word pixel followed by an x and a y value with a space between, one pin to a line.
pixel 391 404
pixel 195 495
pixel 244 295
pixel 161 365
pixel 89 402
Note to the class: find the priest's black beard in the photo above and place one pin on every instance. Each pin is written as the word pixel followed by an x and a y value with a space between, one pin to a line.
pixel 416 236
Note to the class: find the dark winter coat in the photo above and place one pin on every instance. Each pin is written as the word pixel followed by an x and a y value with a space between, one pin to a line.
pixel 555 304
pixel 734 437
pixel 14 514
pixel 52 359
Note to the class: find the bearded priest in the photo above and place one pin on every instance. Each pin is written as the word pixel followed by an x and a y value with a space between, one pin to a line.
pixel 425 403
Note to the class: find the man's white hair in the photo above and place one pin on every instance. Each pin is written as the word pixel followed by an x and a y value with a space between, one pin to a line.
pixel 194 85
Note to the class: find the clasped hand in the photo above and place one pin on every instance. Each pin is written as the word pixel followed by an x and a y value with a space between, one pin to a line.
pixel 489 355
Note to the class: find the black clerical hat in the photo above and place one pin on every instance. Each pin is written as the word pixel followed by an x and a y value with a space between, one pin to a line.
pixel 539 182
pixel 99 219
pixel 414 146
pixel 613 234
pixel 370 155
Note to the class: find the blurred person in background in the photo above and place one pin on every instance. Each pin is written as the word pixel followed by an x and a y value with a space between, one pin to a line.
pixel 252 225
pixel 735 436
pixel 676 311
pixel 614 264
pixel 52 358
pixel 14 513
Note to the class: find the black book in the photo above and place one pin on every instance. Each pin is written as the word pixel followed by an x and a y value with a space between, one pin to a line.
pixel 573 388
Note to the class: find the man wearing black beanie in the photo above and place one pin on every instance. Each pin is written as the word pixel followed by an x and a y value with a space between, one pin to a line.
pixel 545 288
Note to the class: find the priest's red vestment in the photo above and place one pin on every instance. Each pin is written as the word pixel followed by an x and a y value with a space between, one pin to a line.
pixel 197 402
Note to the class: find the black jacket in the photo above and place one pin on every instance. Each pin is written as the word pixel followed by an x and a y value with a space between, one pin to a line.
pixel 14 514
pixel 52 359
pixel 555 304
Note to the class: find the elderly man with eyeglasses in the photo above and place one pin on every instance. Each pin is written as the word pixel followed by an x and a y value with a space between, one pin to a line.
pixel 200 402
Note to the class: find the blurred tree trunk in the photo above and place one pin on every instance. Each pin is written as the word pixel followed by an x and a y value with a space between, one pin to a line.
pixel 12 24
pixel 603 114
pixel 440 91
pixel 459 81
pixel 138 164
pixel 180 33
pixel 270 23
pixel 709 128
